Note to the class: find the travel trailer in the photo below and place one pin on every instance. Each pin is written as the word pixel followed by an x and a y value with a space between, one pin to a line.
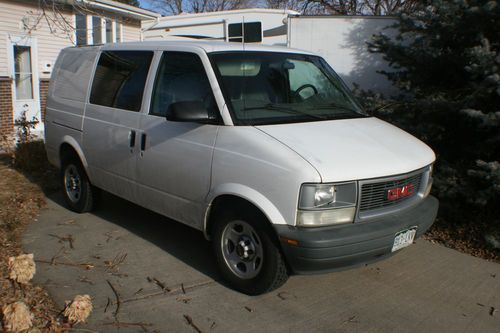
pixel 341 40
pixel 266 26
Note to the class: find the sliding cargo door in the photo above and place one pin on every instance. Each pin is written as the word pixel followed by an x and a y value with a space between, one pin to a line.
pixel 112 120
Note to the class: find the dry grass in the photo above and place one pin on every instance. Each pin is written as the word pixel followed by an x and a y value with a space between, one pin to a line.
pixel 20 201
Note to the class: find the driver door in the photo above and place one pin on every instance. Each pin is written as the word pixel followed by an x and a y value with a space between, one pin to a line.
pixel 175 159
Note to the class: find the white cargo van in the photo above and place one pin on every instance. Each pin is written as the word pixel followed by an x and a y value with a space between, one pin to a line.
pixel 261 148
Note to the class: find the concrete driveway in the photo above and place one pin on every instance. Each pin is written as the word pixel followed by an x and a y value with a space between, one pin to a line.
pixel 163 273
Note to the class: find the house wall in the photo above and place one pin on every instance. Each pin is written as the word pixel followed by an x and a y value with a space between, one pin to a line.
pixel 49 40
pixel 131 31
pixel 44 88
pixel 6 111
pixel 48 44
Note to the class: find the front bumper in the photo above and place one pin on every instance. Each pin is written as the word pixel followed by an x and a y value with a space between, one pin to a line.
pixel 333 248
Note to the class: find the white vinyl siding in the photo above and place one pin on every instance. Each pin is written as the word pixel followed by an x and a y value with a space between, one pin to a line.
pixel 48 45
pixel 131 31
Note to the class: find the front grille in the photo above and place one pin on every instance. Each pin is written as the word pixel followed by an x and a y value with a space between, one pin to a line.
pixel 376 195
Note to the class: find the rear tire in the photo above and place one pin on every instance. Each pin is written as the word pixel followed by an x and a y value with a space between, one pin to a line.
pixel 79 194
pixel 247 254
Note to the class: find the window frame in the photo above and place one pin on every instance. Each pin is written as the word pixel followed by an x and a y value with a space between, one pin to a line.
pixel 108 24
pixel 116 29
pixel 227 100
pixel 101 30
pixel 145 93
pixel 243 36
pixel 158 64
pixel 85 31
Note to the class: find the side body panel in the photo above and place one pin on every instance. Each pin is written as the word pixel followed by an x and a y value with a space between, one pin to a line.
pixel 173 172
pixel 111 134
pixel 106 142
pixel 174 169
pixel 254 166
pixel 66 100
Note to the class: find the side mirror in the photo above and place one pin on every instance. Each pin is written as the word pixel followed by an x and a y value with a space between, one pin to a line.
pixel 190 111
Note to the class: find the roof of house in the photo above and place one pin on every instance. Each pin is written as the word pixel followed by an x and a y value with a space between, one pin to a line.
pixel 115 6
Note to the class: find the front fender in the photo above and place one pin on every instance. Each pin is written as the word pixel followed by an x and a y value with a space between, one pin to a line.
pixel 251 195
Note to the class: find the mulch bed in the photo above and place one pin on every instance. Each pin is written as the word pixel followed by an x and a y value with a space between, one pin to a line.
pixel 464 237
pixel 20 202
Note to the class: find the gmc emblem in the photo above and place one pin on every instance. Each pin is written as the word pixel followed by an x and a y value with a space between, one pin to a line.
pixel 399 192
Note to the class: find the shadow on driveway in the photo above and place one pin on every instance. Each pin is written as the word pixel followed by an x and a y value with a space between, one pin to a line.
pixel 183 242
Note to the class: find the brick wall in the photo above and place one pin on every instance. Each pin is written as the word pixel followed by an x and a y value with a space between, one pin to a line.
pixel 44 88
pixel 6 110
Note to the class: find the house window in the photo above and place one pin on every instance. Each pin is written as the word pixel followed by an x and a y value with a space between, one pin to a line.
pixel 96 30
pixel 118 32
pixel 109 31
pixel 120 78
pixel 23 74
pixel 81 29
pixel 252 32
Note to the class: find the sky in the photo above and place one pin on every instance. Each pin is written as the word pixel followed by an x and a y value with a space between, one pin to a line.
pixel 154 5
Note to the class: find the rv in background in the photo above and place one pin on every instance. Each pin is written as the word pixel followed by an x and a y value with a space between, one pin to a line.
pixel 266 26
pixel 341 40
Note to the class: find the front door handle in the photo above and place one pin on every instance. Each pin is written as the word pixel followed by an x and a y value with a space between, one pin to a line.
pixel 131 139
pixel 143 141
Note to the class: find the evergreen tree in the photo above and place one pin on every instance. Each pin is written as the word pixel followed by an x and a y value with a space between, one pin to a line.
pixel 446 61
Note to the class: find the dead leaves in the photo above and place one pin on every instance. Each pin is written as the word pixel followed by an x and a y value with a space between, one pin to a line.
pixel 79 309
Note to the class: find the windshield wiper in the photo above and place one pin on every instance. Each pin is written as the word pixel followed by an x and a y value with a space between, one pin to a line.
pixel 333 106
pixel 275 107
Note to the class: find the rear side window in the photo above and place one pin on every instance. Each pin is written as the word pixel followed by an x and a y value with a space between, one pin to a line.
pixel 120 78
pixel 73 74
pixel 181 78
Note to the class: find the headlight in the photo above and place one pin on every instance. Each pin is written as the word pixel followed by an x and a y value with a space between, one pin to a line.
pixel 326 204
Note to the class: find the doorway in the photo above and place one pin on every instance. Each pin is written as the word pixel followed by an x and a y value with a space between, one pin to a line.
pixel 26 93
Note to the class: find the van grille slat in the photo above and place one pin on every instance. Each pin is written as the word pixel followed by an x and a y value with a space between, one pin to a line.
pixel 375 195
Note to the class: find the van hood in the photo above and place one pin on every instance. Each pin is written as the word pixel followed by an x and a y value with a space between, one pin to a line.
pixel 353 149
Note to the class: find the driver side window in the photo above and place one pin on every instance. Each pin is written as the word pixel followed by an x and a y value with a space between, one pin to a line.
pixel 181 77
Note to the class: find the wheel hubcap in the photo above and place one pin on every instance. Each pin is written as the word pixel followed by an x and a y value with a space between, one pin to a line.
pixel 72 183
pixel 242 249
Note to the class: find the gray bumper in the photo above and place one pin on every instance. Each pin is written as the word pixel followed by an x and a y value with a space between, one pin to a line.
pixel 333 248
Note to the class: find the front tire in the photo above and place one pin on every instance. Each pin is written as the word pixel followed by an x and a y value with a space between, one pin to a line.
pixel 247 254
pixel 79 193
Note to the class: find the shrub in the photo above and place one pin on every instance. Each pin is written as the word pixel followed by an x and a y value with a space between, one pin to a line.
pixel 446 61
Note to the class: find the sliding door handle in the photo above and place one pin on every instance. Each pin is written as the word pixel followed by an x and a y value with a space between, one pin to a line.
pixel 143 141
pixel 131 139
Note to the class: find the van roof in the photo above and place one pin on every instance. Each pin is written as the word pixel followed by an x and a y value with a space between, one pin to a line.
pixel 207 46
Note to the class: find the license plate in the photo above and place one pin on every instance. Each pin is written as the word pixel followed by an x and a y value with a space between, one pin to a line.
pixel 404 238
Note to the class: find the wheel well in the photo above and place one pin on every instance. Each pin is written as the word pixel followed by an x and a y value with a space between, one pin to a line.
pixel 67 152
pixel 224 203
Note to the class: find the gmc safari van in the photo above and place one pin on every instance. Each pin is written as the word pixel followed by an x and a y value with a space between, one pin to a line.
pixel 263 149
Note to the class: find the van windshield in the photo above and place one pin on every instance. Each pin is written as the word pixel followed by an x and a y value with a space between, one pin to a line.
pixel 273 88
